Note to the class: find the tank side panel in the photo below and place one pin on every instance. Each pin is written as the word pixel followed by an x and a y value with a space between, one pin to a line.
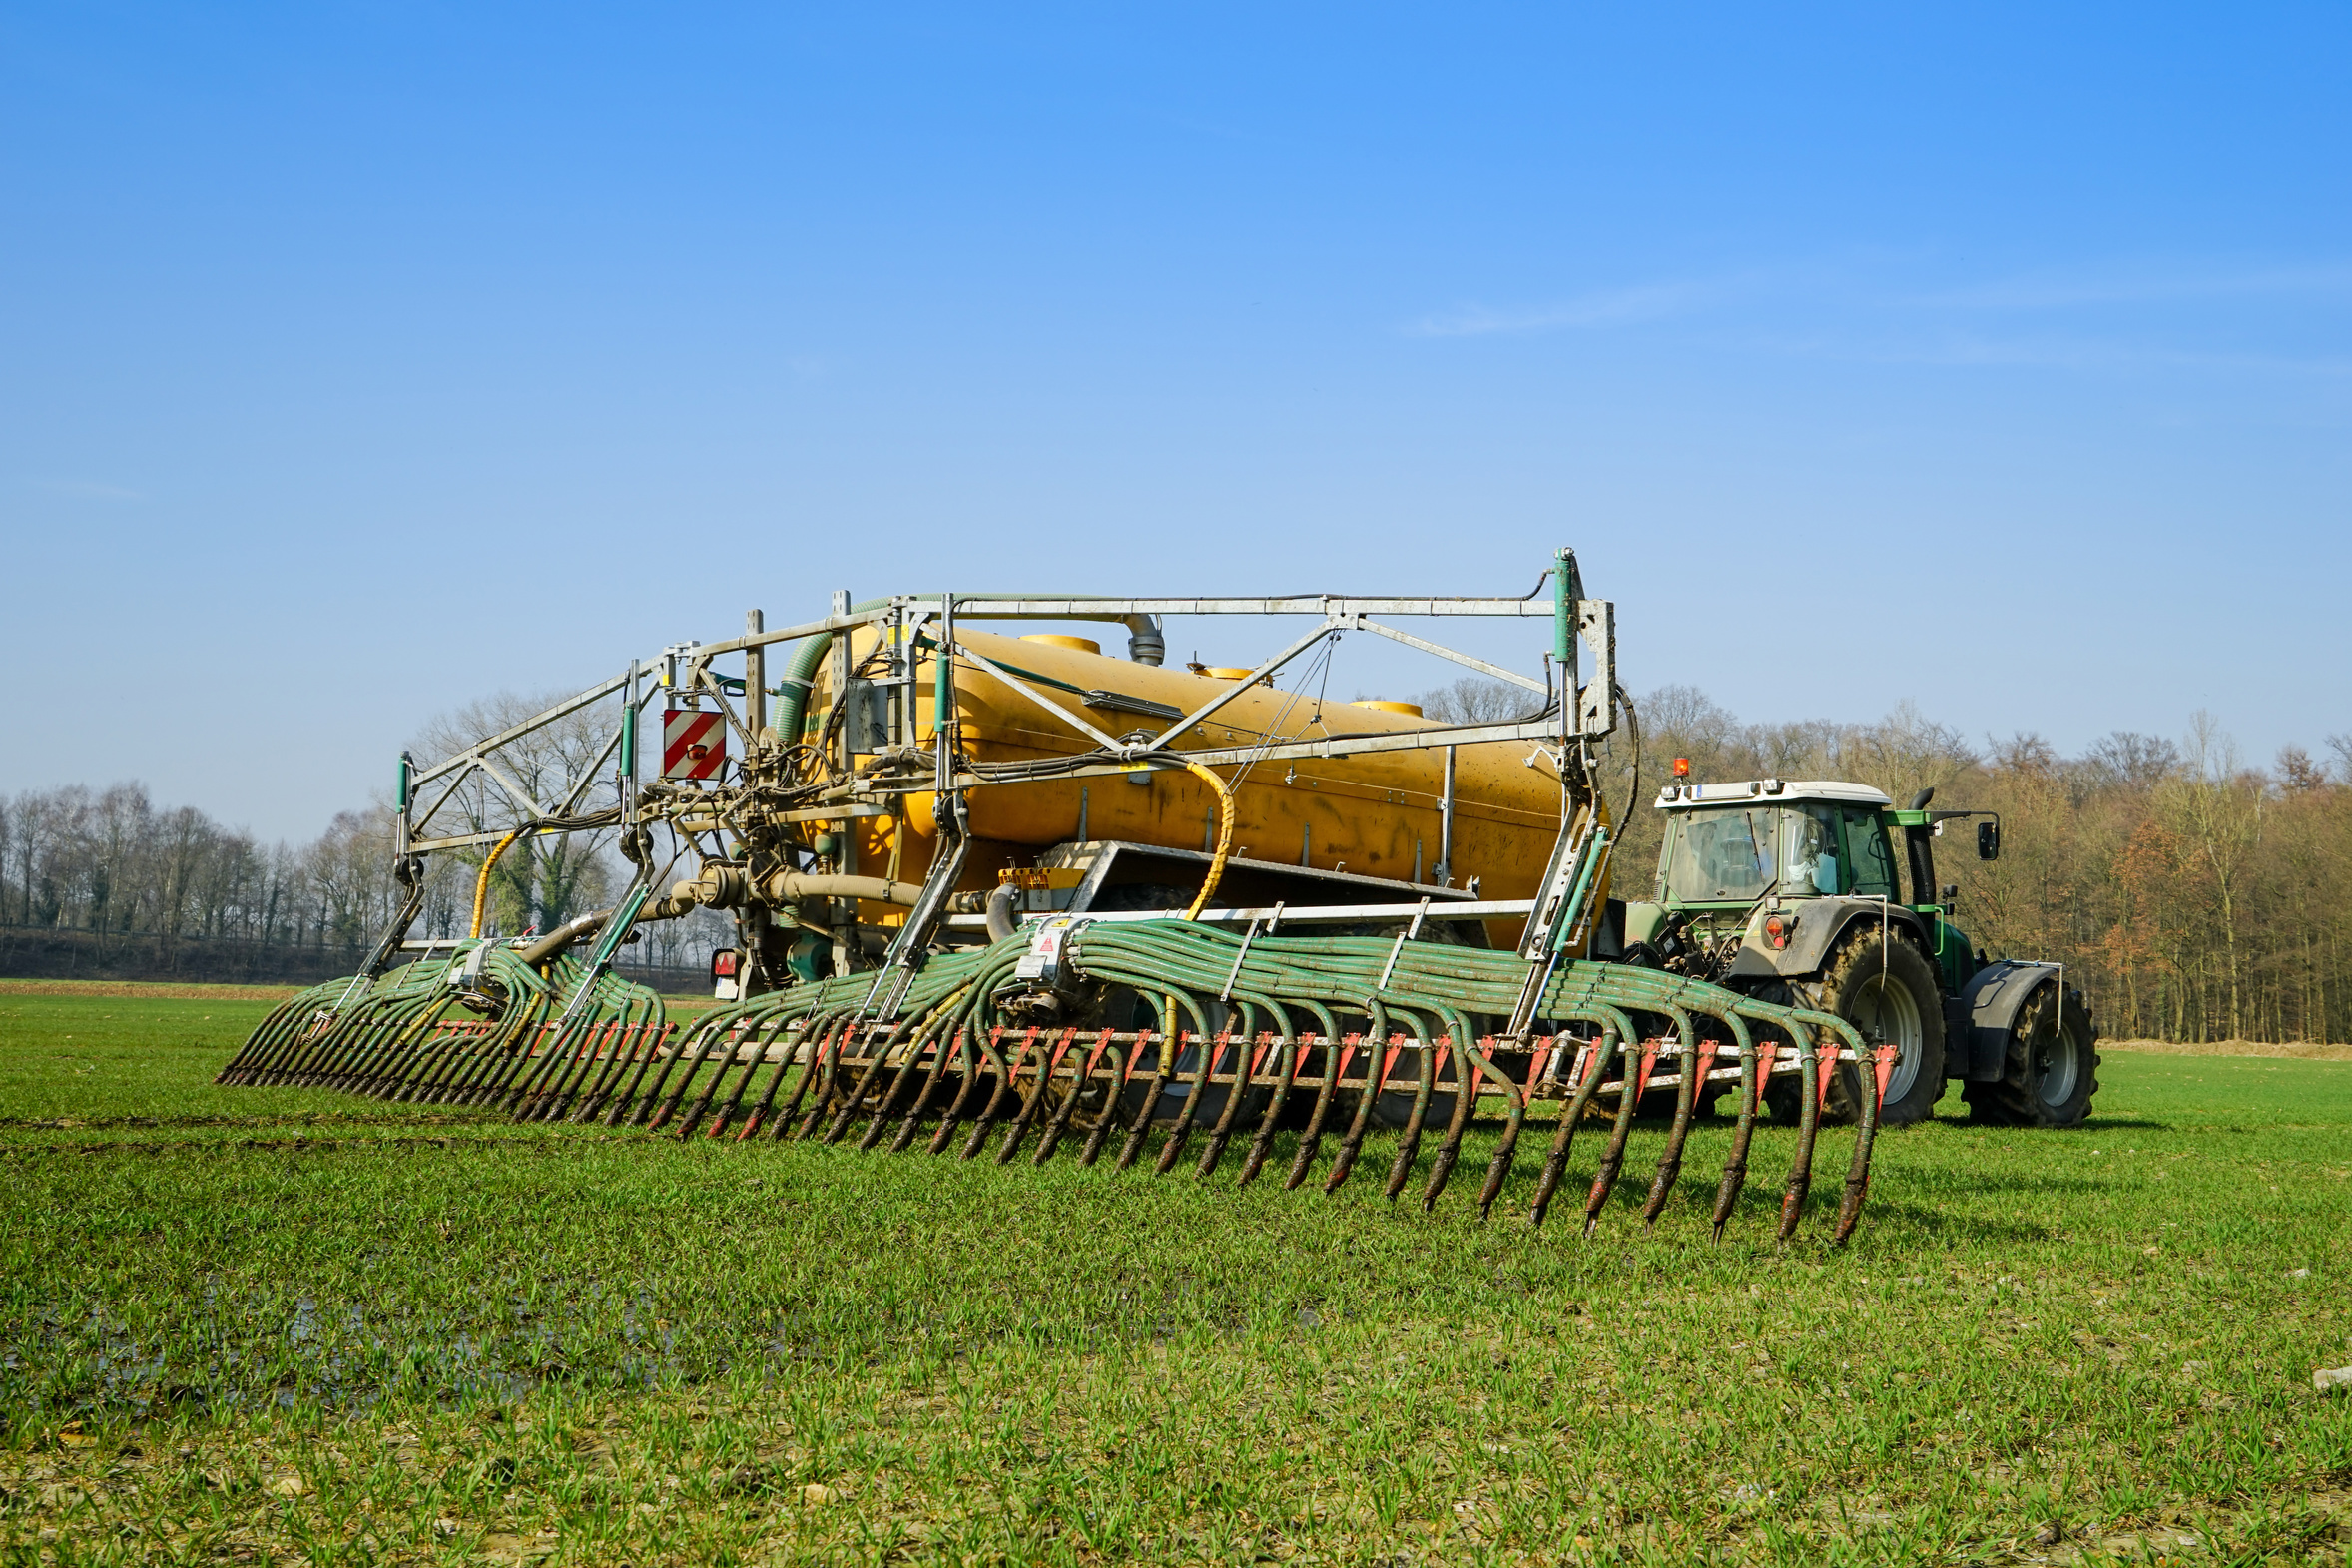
pixel 1373 815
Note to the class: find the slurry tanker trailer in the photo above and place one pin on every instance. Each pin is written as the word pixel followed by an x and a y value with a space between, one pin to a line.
pixel 1011 894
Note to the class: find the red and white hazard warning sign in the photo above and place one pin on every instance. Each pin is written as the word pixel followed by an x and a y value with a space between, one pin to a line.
pixel 694 744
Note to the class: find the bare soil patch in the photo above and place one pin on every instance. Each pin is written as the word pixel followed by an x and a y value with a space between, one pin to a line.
pixel 149 990
pixel 2298 1050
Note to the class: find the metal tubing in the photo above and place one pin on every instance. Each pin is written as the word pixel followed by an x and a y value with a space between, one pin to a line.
pixel 1008 1083
pixel 1693 1067
pixel 1336 1054
pixel 1424 1086
pixel 755 677
pixel 1173 1146
pixel 1792 1199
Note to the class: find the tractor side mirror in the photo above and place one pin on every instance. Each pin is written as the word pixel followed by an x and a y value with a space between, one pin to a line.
pixel 1988 841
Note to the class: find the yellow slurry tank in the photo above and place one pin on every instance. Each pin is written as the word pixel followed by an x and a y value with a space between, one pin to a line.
pixel 1377 815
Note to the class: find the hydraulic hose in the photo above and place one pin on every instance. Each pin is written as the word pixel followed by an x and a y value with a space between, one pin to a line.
pixel 792 706
pixel 792 887
pixel 481 883
pixel 563 936
pixel 1200 900
pixel 1633 786
pixel 1001 924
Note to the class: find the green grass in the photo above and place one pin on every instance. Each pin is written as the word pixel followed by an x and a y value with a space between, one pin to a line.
pixel 455 1342
pixel 104 1064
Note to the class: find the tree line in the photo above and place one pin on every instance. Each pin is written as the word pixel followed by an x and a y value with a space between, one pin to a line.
pixel 2193 896
pixel 114 864
pixel 120 869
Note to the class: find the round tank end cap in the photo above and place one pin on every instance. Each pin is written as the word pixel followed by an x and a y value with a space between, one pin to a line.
pixel 1083 645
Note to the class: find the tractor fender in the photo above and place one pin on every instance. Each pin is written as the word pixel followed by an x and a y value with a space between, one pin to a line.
pixel 1977 1034
pixel 1821 924
pixel 1642 919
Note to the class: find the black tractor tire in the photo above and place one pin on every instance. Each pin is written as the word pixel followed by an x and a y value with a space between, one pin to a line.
pixel 2050 1072
pixel 1886 988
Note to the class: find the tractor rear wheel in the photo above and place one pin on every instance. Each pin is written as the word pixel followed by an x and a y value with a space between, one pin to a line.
pixel 1886 990
pixel 2050 1071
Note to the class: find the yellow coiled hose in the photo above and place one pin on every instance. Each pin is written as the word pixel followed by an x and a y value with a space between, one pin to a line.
pixel 481 883
pixel 1224 837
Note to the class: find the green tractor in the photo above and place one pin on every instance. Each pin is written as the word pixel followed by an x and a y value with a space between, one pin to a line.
pixel 1822 895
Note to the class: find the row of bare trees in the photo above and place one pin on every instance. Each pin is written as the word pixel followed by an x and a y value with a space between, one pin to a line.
pixel 115 866
pixel 2193 896
pixel 114 863
pixel 2203 897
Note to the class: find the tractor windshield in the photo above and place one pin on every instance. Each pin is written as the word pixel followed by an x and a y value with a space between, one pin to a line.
pixel 1719 856
pixel 1726 857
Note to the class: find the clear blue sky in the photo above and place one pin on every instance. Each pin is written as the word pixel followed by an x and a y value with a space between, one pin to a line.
pixel 360 360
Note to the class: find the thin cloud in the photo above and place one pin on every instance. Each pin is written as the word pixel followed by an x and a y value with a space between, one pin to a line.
pixel 2147 288
pixel 1612 308
pixel 2094 355
pixel 2037 353
pixel 1846 311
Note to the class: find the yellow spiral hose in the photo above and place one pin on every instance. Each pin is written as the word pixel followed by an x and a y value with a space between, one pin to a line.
pixel 1224 837
pixel 481 883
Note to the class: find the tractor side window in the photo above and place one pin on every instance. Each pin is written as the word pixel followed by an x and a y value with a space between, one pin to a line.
pixel 1808 850
pixel 1873 859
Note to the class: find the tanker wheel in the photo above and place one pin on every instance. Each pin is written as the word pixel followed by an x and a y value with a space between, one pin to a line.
pixel 2050 1071
pixel 1886 990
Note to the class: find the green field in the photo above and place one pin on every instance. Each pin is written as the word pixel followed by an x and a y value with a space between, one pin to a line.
pixel 288 1325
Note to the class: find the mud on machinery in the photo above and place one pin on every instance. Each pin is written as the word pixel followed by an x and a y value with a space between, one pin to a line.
pixel 1012 891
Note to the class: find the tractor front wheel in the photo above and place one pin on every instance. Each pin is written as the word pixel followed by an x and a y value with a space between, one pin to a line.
pixel 1886 990
pixel 2050 1071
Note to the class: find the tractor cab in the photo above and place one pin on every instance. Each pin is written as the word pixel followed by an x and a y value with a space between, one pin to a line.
pixel 1822 895
pixel 1756 878
pixel 1730 844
